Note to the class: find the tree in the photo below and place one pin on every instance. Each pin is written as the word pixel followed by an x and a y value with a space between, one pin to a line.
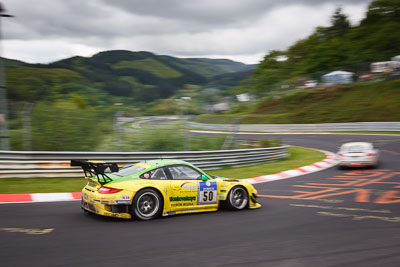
pixel 340 24
pixel 382 9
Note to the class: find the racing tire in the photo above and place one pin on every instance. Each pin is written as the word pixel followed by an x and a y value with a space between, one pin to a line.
pixel 238 198
pixel 147 204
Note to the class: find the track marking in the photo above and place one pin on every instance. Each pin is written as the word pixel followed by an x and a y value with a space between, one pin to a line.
pixel 357 217
pixel 33 231
pixel 339 208
pixel 356 183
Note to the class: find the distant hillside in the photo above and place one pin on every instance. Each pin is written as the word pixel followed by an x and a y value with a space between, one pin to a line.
pixel 133 76
pixel 358 102
pixel 228 80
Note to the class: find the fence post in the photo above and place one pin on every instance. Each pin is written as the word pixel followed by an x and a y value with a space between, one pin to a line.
pixel 26 125
pixel 187 134
pixel 117 131
pixel 230 139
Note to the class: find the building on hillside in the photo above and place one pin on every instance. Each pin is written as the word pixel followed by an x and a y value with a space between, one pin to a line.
pixel 396 58
pixel 243 97
pixel 338 77
pixel 385 66
pixel 221 107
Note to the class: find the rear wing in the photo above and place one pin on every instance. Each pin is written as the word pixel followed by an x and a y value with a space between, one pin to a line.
pixel 96 168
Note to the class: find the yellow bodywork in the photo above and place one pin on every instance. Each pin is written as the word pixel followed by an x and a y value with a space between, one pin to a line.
pixel 179 196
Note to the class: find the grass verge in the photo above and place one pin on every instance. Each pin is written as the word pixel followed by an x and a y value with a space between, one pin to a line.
pixel 299 156
pixel 41 185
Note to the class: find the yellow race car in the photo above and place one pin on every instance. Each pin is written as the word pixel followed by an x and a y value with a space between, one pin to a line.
pixel 149 189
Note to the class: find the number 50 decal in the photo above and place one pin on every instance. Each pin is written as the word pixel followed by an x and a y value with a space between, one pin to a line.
pixel 207 193
pixel 208 196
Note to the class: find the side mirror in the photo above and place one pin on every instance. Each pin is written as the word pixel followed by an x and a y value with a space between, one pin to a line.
pixel 204 178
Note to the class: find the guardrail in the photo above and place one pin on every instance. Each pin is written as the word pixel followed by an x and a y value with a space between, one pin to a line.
pixel 318 127
pixel 25 164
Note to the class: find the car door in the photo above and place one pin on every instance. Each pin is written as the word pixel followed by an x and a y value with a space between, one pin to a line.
pixel 189 192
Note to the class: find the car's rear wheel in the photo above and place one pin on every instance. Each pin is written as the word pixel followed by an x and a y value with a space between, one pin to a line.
pixel 147 204
pixel 238 198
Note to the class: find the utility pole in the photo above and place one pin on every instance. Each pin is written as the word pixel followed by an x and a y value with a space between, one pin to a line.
pixel 118 131
pixel 26 126
pixel 4 136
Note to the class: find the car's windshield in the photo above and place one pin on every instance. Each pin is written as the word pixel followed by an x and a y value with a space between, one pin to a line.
pixel 129 170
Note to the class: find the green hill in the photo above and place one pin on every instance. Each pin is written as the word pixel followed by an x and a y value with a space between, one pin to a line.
pixel 124 76
pixel 359 102
pixel 340 46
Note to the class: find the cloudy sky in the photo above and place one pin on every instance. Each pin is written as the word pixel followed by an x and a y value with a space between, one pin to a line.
pixel 44 31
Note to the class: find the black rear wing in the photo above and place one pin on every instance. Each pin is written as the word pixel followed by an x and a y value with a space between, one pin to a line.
pixel 96 168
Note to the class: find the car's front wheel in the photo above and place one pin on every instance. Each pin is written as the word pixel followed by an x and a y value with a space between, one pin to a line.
pixel 238 198
pixel 147 204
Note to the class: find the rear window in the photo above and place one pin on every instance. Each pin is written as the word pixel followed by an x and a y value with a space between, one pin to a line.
pixel 355 148
pixel 129 170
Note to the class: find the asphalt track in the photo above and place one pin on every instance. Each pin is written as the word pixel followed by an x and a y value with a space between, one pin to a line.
pixel 329 218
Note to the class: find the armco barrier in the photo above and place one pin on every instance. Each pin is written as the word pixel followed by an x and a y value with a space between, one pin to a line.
pixel 24 164
pixel 318 127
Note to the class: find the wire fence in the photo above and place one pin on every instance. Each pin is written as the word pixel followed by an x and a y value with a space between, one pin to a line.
pixel 47 128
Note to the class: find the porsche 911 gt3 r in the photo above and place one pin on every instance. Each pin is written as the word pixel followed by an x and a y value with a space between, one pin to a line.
pixel 149 189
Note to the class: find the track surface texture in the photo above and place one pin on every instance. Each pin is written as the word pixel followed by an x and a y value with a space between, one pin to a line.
pixel 329 218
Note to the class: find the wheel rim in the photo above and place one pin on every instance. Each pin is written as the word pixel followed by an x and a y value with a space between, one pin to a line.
pixel 148 204
pixel 239 198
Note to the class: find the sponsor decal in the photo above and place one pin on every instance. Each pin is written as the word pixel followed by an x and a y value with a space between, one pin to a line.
pixel 107 198
pixel 222 196
pixel 190 186
pixel 189 211
pixel 85 196
pixel 187 198
pixel 122 202
pixel 124 197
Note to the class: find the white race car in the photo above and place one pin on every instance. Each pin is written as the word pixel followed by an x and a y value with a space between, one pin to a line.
pixel 358 154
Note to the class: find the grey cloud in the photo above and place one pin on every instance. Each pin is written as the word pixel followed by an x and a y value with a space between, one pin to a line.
pixel 217 11
pixel 75 18
pixel 176 27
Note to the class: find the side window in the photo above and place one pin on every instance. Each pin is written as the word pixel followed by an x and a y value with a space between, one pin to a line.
pixel 184 173
pixel 157 174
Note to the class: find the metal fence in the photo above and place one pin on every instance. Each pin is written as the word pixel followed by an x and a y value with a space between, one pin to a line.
pixel 318 127
pixel 24 164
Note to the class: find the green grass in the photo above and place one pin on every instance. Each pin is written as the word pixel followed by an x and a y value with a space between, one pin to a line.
pixel 300 156
pixel 41 185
